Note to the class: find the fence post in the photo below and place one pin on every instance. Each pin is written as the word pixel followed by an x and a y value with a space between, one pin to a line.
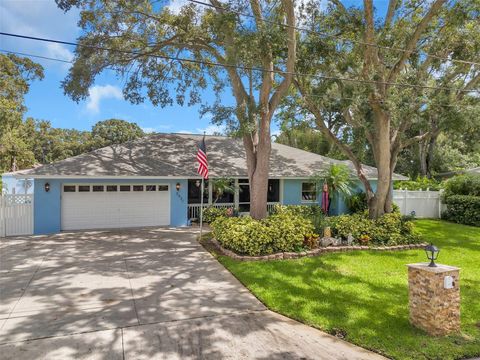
pixel 405 201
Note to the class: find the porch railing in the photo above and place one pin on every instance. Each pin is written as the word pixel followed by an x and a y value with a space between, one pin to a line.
pixel 194 209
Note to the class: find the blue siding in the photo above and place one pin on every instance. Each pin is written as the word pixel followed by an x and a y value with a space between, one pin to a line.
pixel 47 212
pixel 292 195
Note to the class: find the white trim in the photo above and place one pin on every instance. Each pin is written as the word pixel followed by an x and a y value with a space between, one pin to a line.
pixel 133 177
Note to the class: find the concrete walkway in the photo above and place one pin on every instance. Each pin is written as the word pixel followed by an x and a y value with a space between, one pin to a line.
pixel 139 294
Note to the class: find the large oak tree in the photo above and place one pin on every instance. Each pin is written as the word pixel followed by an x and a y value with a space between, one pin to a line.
pixel 416 43
pixel 140 39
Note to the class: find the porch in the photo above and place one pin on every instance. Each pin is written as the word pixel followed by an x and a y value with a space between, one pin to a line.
pixel 238 197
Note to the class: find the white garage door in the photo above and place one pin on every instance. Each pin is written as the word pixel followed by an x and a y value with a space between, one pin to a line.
pixel 104 206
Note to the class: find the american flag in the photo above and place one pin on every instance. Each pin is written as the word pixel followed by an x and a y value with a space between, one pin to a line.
pixel 202 159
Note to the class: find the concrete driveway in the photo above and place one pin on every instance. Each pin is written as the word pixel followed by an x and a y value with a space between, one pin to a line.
pixel 139 294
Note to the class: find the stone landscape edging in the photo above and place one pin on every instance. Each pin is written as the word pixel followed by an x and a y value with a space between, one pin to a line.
pixel 311 253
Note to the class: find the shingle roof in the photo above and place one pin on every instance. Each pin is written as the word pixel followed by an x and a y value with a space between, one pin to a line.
pixel 173 155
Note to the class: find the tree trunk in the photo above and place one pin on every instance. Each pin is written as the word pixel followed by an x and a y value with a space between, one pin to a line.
pixel 422 157
pixel 382 160
pixel 258 148
pixel 430 152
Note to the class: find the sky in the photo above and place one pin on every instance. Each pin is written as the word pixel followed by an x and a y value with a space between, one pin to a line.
pixel 46 100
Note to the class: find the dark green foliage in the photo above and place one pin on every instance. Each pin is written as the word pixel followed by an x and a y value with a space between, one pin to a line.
pixel 313 213
pixel 357 202
pixel 389 229
pixel 420 183
pixel 462 197
pixel 211 214
pixel 463 209
pixel 468 184
pixel 115 131
pixel 277 233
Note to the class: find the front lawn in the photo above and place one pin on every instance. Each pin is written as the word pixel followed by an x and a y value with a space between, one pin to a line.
pixel 364 295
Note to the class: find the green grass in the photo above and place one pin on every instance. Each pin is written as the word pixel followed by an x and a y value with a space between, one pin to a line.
pixel 365 294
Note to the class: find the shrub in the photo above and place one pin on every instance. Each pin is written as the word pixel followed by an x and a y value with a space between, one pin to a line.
pixel 357 202
pixel 313 213
pixel 243 235
pixel 280 232
pixel 356 225
pixel 463 185
pixel 305 211
pixel 389 229
pixel 463 209
pixel 211 214
pixel 288 231
pixel 420 183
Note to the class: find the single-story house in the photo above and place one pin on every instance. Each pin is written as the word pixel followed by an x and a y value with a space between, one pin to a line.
pixel 153 181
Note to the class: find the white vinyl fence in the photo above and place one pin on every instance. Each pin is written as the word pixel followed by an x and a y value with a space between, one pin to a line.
pixel 16 215
pixel 423 204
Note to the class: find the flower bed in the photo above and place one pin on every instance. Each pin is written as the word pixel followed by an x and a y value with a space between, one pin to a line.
pixel 296 228
pixel 310 253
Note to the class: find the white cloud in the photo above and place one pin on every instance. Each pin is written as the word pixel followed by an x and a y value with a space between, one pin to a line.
pixel 158 128
pixel 40 19
pixel 148 130
pixel 176 5
pixel 99 92
pixel 213 129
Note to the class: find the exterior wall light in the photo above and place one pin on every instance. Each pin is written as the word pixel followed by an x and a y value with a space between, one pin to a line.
pixel 178 186
pixel 432 254
pixel 47 187
pixel 197 183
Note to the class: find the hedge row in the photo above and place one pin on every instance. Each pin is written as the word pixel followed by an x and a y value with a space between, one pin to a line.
pixel 277 233
pixel 463 209
pixel 389 229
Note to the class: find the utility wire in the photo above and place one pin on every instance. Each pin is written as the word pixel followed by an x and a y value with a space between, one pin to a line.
pixel 240 67
pixel 312 96
pixel 303 29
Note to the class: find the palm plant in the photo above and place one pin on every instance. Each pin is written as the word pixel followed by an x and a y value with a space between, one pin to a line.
pixel 339 180
pixel 222 186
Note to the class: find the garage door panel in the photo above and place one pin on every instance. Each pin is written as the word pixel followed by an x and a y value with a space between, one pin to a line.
pixel 104 210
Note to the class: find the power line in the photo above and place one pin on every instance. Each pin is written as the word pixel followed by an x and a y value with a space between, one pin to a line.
pixel 240 67
pixel 335 36
pixel 312 96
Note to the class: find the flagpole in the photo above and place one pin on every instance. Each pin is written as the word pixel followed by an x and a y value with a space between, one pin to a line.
pixel 201 208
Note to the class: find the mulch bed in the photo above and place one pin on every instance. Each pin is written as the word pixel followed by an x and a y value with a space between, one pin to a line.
pixel 315 252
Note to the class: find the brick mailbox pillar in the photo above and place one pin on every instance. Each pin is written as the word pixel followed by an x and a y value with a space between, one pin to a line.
pixel 434 298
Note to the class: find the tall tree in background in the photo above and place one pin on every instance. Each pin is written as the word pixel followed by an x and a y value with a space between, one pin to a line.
pixel 376 108
pixel 16 74
pixel 115 131
pixel 140 38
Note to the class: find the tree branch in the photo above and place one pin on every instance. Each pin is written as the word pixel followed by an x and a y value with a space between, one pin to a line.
pixel 390 12
pixel 290 67
pixel 412 42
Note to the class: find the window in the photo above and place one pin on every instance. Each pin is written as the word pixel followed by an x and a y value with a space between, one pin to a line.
pixel 273 192
pixel 69 188
pixel 98 188
pixel 151 187
pixel 111 188
pixel 162 187
pixel 137 187
pixel 124 187
pixel 226 193
pixel 194 190
pixel 84 188
pixel 309 192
